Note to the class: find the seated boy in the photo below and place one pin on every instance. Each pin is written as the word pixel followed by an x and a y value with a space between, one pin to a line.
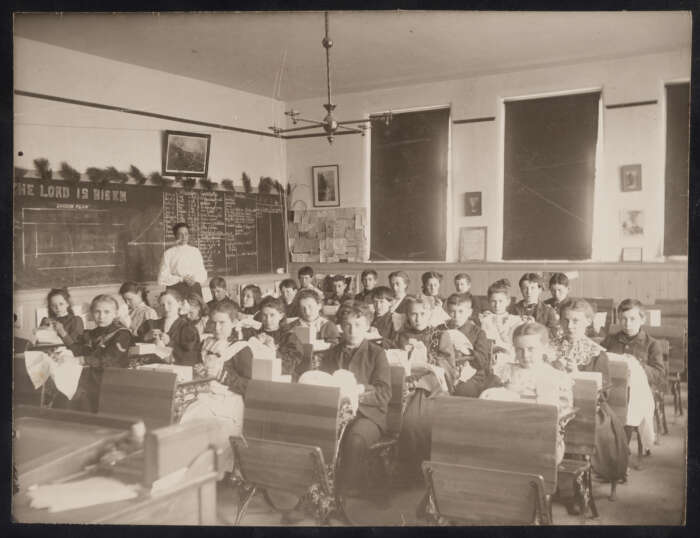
pixel 219 293
pixel 559 288
pixel 288 292
pixel 369 281
pixel 367 361
pixel 235 371
pixel 306 280
pixel 473 351
pixel 383 321
pixel 309 316
pixel 340 292
pixel 285 343
pixel 532 307
pixel 633 340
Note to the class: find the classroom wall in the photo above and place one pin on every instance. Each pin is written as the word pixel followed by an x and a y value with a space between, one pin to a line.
pixel 628 136
pixel 86 137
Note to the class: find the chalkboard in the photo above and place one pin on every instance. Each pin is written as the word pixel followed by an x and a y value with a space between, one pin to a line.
pixel 83 234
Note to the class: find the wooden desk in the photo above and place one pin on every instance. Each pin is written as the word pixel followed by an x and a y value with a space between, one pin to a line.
pixel 56 446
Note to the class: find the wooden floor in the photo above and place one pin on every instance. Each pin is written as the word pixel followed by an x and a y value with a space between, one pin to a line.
pixel 654 495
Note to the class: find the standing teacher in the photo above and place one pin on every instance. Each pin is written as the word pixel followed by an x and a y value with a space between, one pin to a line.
pixel 182 267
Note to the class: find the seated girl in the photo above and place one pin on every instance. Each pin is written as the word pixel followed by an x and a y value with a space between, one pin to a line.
pixel 173 330
pixel 107 345
pixel 399 281
pixel 196 311
pixel 250 300
pixel 383 320
pixel 574 351
pixel 472 355
pixel 285 343
pixel 559 288
pixel 433 372
pixel 499 325
pixel 340 292
pixel 532 307
pixel 309 310
pixel 367 362
pixel 61 318
pixel 430 293
pixel 531 379
pixel 136 299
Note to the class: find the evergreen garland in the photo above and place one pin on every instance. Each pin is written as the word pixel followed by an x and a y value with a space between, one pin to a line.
pixel 247 185
pixel 69 173
pixel 137 175
pixel 42 169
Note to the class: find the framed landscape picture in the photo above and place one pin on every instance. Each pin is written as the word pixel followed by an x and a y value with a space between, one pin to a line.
pixel 326 185
pixel 186 154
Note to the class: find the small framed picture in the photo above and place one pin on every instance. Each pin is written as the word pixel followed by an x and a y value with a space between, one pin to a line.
pixel 632 222
pixel 631 177
pixel 632 254
pixel 472 204
pixel 326 185
pixel 472 244
pixel 186 154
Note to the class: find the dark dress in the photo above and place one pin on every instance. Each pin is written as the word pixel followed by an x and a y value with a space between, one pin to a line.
pixel 415 437
pixel 72 324
pixel 184 339
pixel 385 327
pixel 402 307
pixel 611 449
pixel 542 313
pixel 480 360
pixel 102 347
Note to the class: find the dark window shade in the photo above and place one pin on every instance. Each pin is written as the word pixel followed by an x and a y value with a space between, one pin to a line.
pixel 677 149
pixel 409 185
pixel 549 174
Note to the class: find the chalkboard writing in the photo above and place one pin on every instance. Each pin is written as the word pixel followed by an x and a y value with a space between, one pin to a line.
pixel 72 235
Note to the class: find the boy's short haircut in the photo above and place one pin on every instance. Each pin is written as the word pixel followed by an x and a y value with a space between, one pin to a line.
pixel 383 292
pixel 463 276
pixel 400 274
pixel 355 309
pixel 217 282
pixel 272 302
pixel 306 294
pixel 579 305
pixel 500 286
pixel 228 308
pixel 530 328
pixel 530 277
pixel 629 304
pixel 459 298
pixel 104 298
pixel 559 278
pixel 307 270
pixel 289 283
pixel 368 272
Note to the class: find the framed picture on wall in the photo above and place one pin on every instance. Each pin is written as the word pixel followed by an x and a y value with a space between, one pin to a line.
pixel 472 204
pixel 185 154
pixel 326 185
pixel 632 222
pixel 631 177
pixel 472 244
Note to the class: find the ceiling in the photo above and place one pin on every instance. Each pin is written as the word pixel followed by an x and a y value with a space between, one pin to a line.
pixel 279 55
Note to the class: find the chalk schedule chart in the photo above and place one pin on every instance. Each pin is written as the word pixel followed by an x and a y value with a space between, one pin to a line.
pixel 84 233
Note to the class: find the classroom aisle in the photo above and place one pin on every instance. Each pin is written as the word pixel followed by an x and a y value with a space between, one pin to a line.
pixel 654 495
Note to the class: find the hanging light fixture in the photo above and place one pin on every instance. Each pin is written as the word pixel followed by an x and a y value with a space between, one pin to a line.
pixel 329 124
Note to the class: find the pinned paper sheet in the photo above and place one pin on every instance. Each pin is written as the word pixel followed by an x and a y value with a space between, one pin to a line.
pixel 38 367
pixel 81 493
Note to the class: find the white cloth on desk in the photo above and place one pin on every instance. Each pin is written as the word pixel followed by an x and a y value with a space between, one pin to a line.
pixel 65 371
pixel 81 493
pixel 179 261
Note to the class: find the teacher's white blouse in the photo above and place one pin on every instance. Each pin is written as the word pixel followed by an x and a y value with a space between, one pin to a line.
pixel 179 261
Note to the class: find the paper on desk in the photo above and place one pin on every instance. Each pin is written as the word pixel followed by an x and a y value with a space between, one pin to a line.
pixel 66 376
pixel 260 350
pixel 38 366
pixel 81 493
pixel 47 336
pixel 460 341
pixel 467 372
